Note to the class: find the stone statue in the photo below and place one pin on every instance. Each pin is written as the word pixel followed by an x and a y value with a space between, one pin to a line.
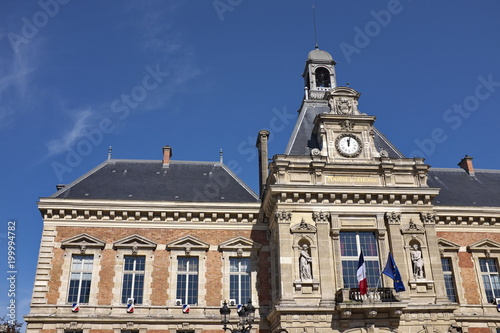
pixel 305 263
pixel 418 262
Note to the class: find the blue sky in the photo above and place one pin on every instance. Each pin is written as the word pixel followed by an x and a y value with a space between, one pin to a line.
pixel 79 76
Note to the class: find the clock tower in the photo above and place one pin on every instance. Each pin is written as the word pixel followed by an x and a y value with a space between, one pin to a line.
pixel 341 188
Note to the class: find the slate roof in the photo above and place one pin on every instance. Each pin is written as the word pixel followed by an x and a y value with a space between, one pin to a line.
pixel 458 188
pixel 302 141
pixel 149 180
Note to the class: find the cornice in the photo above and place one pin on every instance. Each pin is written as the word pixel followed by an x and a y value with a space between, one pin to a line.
pixel 465 216
pixel 63 210
pixel 352 195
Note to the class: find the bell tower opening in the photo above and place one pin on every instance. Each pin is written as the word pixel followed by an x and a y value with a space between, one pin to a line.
pixel 322 77
pixel 319 74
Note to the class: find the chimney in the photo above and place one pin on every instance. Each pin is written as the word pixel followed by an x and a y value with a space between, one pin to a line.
pixel 466 164
pixel 167 154
pixel 262 148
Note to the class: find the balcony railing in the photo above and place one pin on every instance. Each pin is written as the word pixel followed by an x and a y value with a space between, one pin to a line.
pixel 374 295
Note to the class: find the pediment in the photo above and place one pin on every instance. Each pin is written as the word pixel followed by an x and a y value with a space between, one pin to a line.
pixel 485 245
pixel 303 227
pixel 412 228
pixel 188 243
pixel 83 241
pixel 134 242
pixel 447 245
pixel 344 91
pixel 239 243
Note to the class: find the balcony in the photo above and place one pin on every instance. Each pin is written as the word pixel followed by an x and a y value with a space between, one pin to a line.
pixel 347 295
pixel 374 303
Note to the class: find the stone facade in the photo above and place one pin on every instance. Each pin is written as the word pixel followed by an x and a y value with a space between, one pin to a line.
pixel 327 198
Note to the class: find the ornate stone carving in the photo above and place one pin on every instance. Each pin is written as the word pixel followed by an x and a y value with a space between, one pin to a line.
pixel 347 125
pixel 315 152
pixel 412 228
pixel 393 217
pixel 346 314
pixel 341 105
pixel 321 216
pixel 303 227
pixel 372 313
pixel 428 218
pixel 283 216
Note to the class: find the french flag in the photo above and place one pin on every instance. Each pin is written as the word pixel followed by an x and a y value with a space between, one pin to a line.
pixel 75 308
pixel 130 307
pixel 186 308
pixel 361 274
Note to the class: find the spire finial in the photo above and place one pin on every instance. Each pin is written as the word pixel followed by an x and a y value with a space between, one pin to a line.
pixel 110 150
pixel 221 156
pixel 314 23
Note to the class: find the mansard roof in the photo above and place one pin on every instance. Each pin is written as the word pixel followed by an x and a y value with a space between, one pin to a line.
pixel 458 188
pixel 302 139
pixel 151 180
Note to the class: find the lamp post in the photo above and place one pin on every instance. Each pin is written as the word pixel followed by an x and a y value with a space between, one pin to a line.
pixel 246 314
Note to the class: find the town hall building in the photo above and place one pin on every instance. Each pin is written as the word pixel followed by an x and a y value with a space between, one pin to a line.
pixel 150 246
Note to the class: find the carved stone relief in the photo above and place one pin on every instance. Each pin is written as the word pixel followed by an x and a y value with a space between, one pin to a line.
pixel 283 216
pixel 321 216
pixel 393 217
pixel 428 218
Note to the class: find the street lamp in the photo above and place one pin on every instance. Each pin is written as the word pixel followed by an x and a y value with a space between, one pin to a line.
pixel 246 314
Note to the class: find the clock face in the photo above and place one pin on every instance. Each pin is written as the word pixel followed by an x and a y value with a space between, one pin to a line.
pixel 348 145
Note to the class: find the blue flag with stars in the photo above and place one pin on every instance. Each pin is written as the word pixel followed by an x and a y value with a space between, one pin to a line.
pixel 392 271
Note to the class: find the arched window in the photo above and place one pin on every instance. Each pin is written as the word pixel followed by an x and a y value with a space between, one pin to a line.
pixel 322 77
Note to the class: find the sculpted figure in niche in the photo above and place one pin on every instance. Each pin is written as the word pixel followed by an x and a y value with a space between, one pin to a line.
pixel 305 261
pixel 418 262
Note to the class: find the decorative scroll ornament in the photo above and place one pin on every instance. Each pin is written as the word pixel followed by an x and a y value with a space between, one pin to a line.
pixel 321 216
pixel 412 228
pixel 303 227
pixel 315 152
pixel 428 218
pixel 393 217
pixel 283 216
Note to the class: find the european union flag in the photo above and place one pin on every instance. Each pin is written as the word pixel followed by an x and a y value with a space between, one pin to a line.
pixel 392 271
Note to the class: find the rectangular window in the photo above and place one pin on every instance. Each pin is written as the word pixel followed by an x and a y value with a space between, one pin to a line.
pixel 491 280
pixel 80 279
pixel 351 244
pixel 187 280
pixel 133 279
pixel 239 280
pixel 449 282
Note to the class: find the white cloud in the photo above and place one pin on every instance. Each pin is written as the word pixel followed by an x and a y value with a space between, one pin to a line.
pixel 17 73
pixel 81 124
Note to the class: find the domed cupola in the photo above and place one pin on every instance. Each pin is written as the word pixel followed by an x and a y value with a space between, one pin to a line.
pixel 319 74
